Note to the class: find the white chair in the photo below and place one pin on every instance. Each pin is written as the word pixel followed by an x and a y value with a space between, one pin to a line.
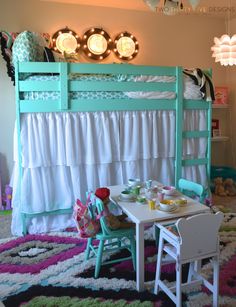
pixel 188 188
pixel 191 240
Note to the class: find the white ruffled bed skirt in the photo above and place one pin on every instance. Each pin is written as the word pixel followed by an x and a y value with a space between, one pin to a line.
pixel 66 154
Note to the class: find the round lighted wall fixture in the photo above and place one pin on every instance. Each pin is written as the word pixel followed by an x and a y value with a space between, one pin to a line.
pixel 97 44
pixel 66 40
pixel 126 46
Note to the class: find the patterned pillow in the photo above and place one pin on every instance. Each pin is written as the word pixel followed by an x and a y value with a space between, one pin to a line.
pixel 7 39
pixel 28 47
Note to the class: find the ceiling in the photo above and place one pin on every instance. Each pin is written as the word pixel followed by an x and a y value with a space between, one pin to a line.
pixel 213 8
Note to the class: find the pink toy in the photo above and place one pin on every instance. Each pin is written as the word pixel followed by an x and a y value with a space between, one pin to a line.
pixel 8 196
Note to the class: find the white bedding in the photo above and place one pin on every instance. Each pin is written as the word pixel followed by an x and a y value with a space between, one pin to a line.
pixel 190 90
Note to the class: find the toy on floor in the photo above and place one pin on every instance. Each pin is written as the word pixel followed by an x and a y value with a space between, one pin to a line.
pixel 6 198
pixel 219 187
pixel 230 187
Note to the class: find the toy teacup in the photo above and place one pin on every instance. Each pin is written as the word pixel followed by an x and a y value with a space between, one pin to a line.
pixel 181 201
pixel 167 204
pixel 134 182
pixel 168 190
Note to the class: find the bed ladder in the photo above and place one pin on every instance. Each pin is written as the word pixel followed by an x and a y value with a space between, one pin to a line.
pixel 181 105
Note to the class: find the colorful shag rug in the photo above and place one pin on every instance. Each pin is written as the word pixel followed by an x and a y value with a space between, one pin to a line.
pixel 49 270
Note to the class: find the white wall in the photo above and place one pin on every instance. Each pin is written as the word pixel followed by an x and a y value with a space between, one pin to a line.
pixel 231 80
pixel 178 40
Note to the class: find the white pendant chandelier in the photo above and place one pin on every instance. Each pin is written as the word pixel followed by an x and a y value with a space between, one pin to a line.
pixel 224 50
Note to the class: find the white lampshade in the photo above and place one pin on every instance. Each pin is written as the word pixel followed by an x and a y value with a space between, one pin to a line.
pixel 224 50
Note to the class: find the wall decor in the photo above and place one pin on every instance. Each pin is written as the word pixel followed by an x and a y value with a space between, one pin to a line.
pixel 221 94
pixel 126 46
pixel 97 43
pixel 66 40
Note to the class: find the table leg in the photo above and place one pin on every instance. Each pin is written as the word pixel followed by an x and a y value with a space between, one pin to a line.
pixel 140 257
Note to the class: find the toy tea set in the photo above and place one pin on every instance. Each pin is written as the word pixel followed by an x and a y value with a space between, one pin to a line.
pixel 163 198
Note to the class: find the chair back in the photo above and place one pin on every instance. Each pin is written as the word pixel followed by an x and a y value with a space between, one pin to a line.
pixel 99 206
pixel 191 188
pixel 199 234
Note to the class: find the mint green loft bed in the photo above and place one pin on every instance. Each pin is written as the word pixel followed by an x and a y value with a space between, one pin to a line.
pixel 65 102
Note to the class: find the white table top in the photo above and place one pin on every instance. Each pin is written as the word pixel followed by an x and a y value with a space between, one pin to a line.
pixel 140 213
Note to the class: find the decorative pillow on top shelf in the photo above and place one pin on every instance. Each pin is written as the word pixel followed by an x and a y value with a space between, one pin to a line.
pixel 28 47
pixel 7 40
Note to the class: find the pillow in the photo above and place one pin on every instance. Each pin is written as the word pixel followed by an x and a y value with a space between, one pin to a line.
pixel 28 47
pixel 7 39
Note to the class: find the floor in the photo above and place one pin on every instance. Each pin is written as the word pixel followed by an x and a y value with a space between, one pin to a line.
pixel 225 203
pixel 5 226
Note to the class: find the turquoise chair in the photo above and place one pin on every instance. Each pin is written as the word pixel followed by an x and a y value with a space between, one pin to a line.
pixel 109 241
pixel 191 189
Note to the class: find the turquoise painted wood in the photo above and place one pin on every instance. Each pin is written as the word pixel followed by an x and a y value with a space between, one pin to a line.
pixel 191 162
pixel 64 86
pixel 109 241
pixel 187 186
pixel 196 105
pixel 19 148
pixel 61 211
pixel 179 124
pixel 93 86
pixel 30 86
pixel 65 104
pixel 196 134
pixel 88 105
pixel 209 119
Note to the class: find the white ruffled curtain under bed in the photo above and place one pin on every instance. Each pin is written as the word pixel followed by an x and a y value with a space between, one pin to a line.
pixel 66 154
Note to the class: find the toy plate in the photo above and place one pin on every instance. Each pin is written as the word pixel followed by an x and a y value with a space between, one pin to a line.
pixel 174 209
pixel 127 200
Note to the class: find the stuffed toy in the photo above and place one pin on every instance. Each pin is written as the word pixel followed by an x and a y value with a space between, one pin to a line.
pixel 219 187
pixel 230 187
pixel 113 221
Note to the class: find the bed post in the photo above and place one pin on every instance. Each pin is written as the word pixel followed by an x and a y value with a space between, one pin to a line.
pixel 63 68
pixel 18 127
pixel 209 115
pixel 179 125
pixel 209 127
